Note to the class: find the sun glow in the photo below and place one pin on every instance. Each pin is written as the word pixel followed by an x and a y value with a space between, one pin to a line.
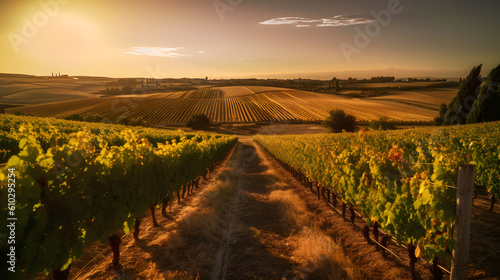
pixel 67 39
pixel 124 38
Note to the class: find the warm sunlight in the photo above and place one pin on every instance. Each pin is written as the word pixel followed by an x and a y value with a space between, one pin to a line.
pixel 241 38
pixel 68 40
pixel 249 139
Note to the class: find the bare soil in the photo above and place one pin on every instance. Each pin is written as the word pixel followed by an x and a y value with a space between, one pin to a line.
pixel 253 220
pixel 484 255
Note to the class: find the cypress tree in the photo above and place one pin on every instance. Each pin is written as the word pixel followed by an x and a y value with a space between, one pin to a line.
pixel 486 107
pixel 460 106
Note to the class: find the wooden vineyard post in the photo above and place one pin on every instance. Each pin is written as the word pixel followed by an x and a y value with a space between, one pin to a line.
pixel 465 192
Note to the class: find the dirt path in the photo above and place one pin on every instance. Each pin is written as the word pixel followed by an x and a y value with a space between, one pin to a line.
pixel 279 230
pixel 251 220
pixel 245 223
pixel 255 245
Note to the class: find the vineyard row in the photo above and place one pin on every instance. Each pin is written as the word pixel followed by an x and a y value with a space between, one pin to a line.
pixel 68 197
pixel 403 181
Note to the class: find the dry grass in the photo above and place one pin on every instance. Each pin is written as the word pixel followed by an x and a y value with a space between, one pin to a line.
pixel 319 255
pixel 322 257
pixel 201 228
pixel 293 208
pixel 185 244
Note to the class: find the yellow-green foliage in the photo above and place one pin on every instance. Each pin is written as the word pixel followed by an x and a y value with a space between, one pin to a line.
pixel 404 179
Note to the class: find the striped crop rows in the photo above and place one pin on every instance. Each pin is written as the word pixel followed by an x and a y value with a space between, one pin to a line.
pixel 265 106
pixel 260 107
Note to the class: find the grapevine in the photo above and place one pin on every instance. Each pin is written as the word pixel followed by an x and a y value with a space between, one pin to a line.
pixel 77 193
pixel 403 180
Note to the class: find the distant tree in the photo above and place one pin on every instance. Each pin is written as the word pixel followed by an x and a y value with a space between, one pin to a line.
pixel 127 90
pixel 74 117
pixel 139 121
pixel 2 110
pixel 123 82
pixel 92 118
pixel 199 121
pixel 338 120
pixel 458 109
pixel 331 84
pixel 486 107
pixel 382 79
pixel 84 118
pixel 123 120
pixel 382 124
pixel 442 111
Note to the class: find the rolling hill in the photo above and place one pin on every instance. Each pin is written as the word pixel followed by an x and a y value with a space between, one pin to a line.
pixel 16 89
pixel 247 104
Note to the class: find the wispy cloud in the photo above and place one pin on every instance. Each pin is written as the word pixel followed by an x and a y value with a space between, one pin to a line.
pixel 156 51
pixel 340 20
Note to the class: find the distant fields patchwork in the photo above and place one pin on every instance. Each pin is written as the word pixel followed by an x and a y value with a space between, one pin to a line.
pixel 427 98
pixel 241 104
pixel 19 90
pixel 395 84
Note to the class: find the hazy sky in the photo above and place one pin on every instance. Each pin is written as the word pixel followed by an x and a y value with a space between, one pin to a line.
pixel 231 38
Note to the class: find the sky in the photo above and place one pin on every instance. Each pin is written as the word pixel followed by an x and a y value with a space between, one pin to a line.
pixel 249 38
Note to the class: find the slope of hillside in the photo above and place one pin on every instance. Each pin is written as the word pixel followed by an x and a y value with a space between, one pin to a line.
pixel 29 90
pixel 427 98
pixel 240 105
